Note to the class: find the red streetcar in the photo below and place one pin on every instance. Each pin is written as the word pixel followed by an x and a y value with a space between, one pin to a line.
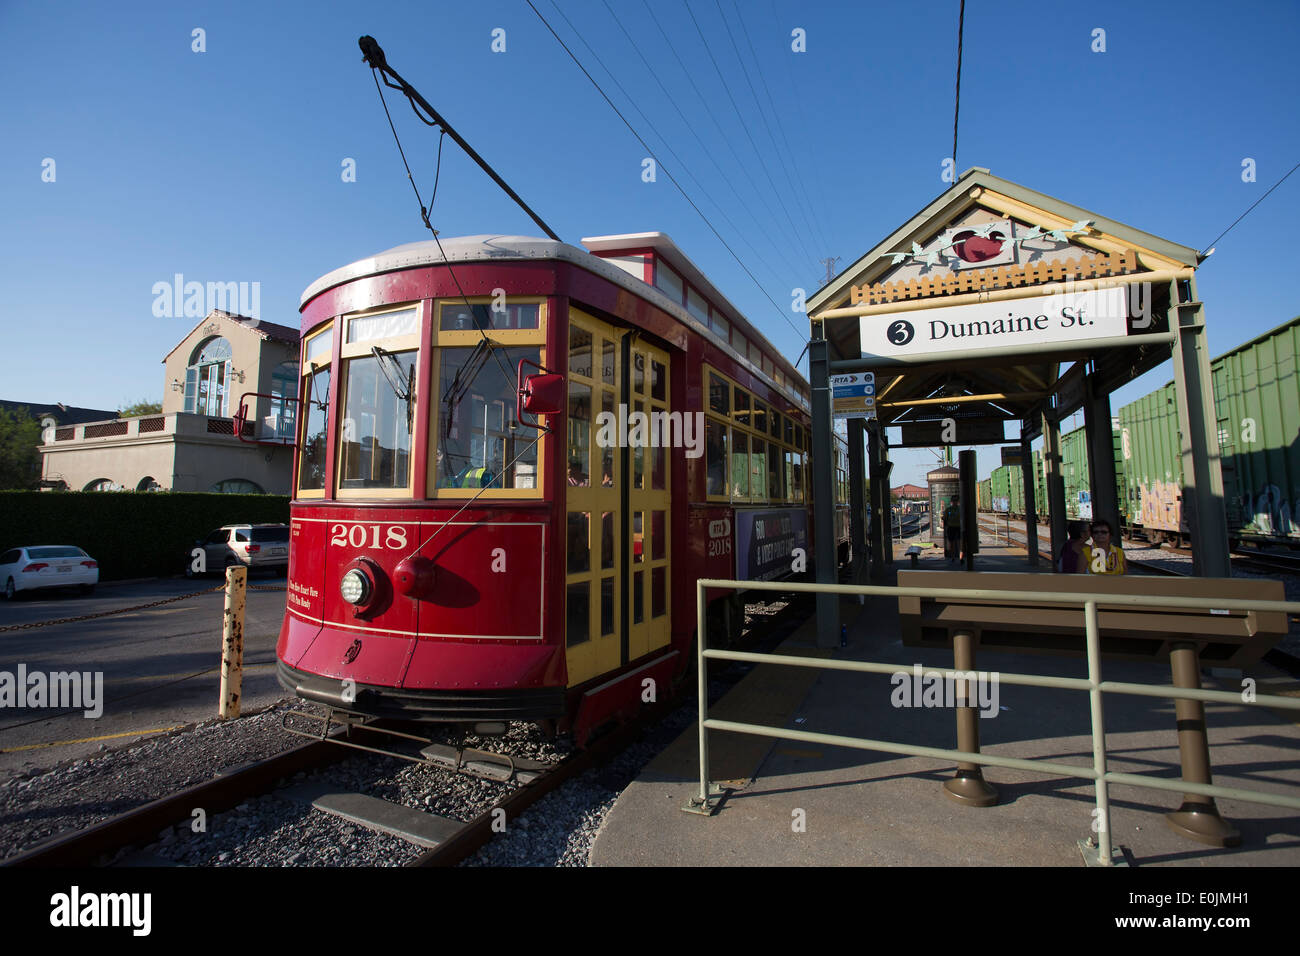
pixel 453 561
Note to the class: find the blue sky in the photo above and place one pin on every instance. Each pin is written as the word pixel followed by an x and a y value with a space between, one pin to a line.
pixel 225 165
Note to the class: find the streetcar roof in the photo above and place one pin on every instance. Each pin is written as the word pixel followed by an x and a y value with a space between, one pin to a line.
pixel 518 248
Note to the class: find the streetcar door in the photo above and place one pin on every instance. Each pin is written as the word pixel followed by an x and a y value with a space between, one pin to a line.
pixel 594 559
pixel 646 527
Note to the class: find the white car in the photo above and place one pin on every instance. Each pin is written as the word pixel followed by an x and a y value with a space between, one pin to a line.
pixel 47 566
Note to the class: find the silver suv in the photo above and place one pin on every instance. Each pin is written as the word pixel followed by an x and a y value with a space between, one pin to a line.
pixel 255 546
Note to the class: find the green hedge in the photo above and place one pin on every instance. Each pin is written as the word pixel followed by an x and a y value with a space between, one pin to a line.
pixel 130 534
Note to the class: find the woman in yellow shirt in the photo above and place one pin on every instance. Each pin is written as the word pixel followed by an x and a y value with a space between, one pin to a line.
pixel 1103 557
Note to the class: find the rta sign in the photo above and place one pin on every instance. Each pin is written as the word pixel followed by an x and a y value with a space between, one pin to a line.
pixel 900 332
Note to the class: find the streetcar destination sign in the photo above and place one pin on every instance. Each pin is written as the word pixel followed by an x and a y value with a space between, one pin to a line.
pixel 1050 320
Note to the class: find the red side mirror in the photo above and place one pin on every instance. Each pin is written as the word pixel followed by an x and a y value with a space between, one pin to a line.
pixel 544 394
pixel 540 394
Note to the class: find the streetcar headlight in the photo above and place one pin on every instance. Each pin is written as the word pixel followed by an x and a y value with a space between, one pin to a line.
pixel 356 588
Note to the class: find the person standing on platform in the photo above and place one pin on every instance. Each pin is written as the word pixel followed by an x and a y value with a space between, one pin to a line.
pixel 1071 560
pixel 952 531
pixel 1103 557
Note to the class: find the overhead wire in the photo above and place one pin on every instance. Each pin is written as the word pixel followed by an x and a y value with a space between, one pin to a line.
pixel 799 100
pixel 1215 242
pixel 424 215
pixel 717 124
pixel 707 152
pixel 799 181
pixel 753 92
pixel 673 179
pixel 744 126
pixel 956 108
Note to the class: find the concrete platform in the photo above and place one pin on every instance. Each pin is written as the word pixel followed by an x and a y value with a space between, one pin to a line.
pixel 805 804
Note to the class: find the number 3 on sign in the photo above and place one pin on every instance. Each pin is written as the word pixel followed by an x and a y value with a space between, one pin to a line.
pixel 368 536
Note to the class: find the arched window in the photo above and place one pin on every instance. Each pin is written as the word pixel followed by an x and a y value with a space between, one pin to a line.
pixel 237 486
pixel 207 376
pixel 103 484
pixel 147 483
pixel 282 422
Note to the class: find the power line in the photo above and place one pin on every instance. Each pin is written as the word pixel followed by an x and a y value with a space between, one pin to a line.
pixel 799 181
pixel 1211 245
pixel 799 101
pixel 956 109
pixel 667 172
pixel 758 193
pixel 744 126
pixel 802 207
pixel 707 152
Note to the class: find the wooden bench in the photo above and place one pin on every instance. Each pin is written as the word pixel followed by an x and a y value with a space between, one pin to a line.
pixel 1228 637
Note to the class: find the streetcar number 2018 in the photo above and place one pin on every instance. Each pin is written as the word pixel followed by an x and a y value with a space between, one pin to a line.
pixel 368 536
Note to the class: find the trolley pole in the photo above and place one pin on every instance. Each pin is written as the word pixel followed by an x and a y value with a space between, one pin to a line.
pixel 232 642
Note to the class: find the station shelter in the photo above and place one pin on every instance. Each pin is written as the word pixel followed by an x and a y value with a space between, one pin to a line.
pixel 997 304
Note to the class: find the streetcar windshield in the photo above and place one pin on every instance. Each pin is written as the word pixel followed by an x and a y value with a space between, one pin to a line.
pixel 479 442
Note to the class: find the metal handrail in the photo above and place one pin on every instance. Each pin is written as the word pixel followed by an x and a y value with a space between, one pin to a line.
pixel 1096 687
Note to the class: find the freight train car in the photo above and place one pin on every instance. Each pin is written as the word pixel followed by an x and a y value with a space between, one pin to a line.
pixel 983 495
pixel 1257 405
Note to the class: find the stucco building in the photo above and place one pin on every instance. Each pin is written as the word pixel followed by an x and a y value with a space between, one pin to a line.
pixel 191 445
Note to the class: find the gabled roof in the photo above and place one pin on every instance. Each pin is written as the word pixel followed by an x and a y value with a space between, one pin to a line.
pixel 267 330
pixel 63 414
pixel 957 199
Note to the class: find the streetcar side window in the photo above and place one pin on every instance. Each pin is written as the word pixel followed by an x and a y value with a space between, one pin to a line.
pixel 719 395
pixel 315 399
pixel 715 456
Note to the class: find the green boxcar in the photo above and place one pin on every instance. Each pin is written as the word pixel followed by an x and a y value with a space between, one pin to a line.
pixel 1117 451
pixel 983 495
pixel 1257 404
pixel 1153 467
pixel 999 488
pixel 1074 474
pixel 1257 401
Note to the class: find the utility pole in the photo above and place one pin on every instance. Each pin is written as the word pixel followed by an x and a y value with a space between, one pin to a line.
pixel 830 267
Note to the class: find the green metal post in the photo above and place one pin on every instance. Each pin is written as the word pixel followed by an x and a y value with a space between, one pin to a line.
pixel 1031 505
pixel 1054 480
pixel 1101 825
pixel 1198 422
pixel 857 499
pixel 1101 453
pixel 823 492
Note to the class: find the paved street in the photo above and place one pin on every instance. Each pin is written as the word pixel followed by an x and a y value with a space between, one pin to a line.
pixel 161 666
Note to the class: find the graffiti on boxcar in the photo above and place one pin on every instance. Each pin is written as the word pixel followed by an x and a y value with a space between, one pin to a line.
pixel 1161 505
pixel 1268 512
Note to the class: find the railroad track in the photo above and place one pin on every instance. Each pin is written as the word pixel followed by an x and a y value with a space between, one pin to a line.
pixel 443 841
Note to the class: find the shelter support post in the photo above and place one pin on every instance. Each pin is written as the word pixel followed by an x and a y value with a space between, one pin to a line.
pixel 1101 453
pixel 887 505
pixel 823 492
pixel 970 525
pixel 1198 817
pixel 967 786
pixel 879 503
pixel 857 500
pixel 1202 480
pixel 1055 482
pixel 1031 505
